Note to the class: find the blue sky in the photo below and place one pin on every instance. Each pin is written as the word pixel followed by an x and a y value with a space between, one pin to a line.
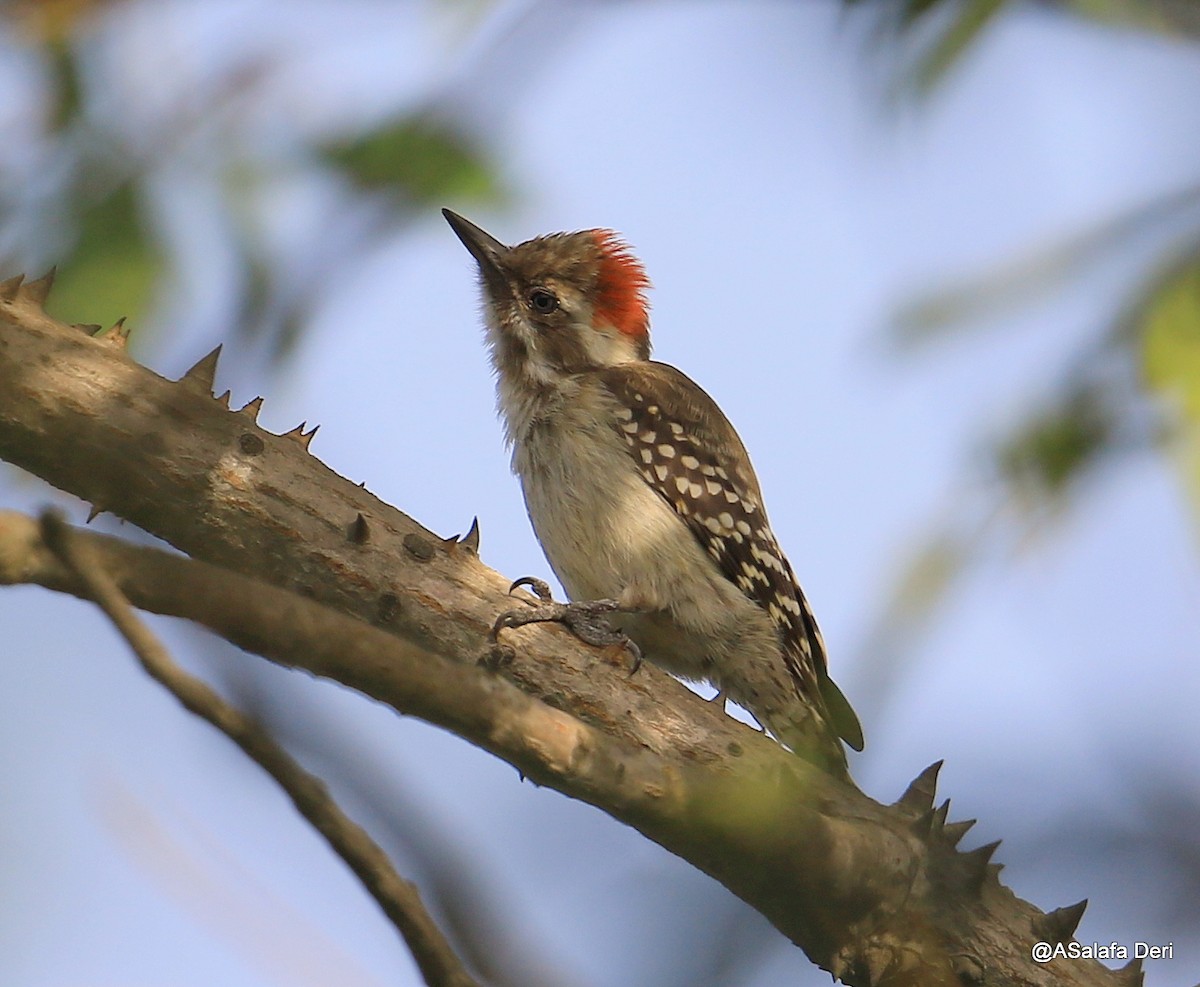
pixel 786 209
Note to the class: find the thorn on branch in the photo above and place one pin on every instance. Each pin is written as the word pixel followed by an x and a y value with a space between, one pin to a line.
pixel 9 288
pixel 298 434
pixel 975 863
pixel 37 291
pixel 955 831
pixel 919 795
pixel 1060 924
pixel 922 826
pixel 203 373
pixel 359 532
pixel 470 541
pixel 116 335
pixel 939 818
pixel 1131 973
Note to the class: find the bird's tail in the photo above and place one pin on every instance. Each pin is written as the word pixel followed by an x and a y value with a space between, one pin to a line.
pixel 809 733
pixel 841 713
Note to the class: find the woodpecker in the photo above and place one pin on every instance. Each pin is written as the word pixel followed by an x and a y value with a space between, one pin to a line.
pixel 640 491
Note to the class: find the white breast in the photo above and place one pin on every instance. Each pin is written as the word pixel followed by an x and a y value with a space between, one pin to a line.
pixel 599 523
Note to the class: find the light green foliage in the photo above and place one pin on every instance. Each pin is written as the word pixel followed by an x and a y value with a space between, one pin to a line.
pixel 949 28
pixel 1135 385
pixel 114 267
pixel 99 224
pixel 427 161
pixel 1054 447
pixel 1170 343
pixel 964 27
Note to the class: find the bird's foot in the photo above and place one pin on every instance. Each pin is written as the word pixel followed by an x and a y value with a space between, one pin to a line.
pixel 586 619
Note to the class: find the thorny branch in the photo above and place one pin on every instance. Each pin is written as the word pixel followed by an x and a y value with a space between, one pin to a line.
pixel 351 589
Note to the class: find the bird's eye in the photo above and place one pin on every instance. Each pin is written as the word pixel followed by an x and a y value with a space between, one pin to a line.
pixel 542 301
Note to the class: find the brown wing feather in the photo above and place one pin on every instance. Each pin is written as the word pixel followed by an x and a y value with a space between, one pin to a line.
pixel 690 454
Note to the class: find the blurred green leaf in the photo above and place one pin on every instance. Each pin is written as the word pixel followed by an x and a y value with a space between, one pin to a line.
pixel 928 576
pixel 1164 16
pixel 1039 271
pixel 906 10
pixel 1054 447
pixel 66 88
pixel 426 160
pixel 53 21
pixel 914 10
pixel 946 51
pixel 1170 327
pixel 114 267
pixel 1172 17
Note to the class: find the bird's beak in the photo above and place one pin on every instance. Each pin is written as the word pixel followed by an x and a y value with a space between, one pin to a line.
pixel 488 252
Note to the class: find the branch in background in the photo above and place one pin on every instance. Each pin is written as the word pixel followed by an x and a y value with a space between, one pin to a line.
pixel 398 898
pixel 548 745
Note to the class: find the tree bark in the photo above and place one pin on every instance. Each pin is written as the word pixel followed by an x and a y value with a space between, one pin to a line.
pixel 293 562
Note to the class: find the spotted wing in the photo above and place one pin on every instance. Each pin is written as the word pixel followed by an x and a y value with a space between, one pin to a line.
pixel 690 454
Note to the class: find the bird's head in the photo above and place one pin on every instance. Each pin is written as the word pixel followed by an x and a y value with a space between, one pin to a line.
pixel 562 303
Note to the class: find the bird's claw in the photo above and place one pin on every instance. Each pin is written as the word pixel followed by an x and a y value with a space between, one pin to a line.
pixel 539 587
pixel 634 650
pixel 585 619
